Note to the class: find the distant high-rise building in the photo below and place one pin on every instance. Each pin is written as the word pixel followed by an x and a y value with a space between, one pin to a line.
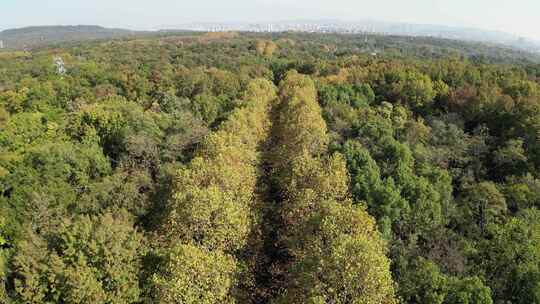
pixel 1 44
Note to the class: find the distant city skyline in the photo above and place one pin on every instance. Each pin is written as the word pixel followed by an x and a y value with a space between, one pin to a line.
pixel 519 17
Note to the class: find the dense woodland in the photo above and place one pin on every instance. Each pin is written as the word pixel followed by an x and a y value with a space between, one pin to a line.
pixel 293 168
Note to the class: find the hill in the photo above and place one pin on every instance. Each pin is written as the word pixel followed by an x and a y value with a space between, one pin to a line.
pixel 30 37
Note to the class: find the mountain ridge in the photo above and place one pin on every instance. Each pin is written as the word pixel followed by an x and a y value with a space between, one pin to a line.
pixel 36 36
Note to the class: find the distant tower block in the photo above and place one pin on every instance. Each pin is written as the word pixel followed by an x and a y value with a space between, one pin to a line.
pixel 1 44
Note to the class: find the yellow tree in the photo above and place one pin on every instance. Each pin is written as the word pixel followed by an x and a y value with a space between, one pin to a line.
pixel 336 253
pixel 265 48
pixel 193 275
pixel 213 209
pixel 338 256
pixel 299 124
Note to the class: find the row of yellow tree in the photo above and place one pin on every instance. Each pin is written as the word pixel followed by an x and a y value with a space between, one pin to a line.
pixel 334 251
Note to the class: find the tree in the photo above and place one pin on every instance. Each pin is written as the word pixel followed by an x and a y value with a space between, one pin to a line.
pixel 86 260
pixel 61 168
pixel 484 204
pixel 114 122
pixel 192 275
pixel 4 117
pixel 299 124
pixel 469 290
pixel 213 210
pixel 424 283
pixel 522 193
pixel 213 200
pixel 339 258
pixel 509 259
pixel 336 253
pixel 511 159
pixel 265 48
pixel 414 89
pixel 383 197
pixel 3 262
pixel 129 190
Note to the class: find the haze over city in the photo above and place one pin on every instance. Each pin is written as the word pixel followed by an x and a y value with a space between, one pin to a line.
pixel 518 17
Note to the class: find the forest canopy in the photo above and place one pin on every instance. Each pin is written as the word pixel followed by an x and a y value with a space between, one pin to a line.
pixel 286 168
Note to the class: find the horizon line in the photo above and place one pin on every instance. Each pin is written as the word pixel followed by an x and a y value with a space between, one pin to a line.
pixel 253 22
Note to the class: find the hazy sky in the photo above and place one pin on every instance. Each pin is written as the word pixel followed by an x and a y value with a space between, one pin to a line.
pixel 515 16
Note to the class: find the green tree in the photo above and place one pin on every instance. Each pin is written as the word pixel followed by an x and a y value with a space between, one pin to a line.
pixel 468 291
pixel 484 205
pixel 424 283
pixel 414 89
pixel 509 259
pixel 511 159
pixel 85 260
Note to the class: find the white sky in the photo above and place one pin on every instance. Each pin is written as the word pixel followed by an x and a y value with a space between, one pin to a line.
pixel 520 17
